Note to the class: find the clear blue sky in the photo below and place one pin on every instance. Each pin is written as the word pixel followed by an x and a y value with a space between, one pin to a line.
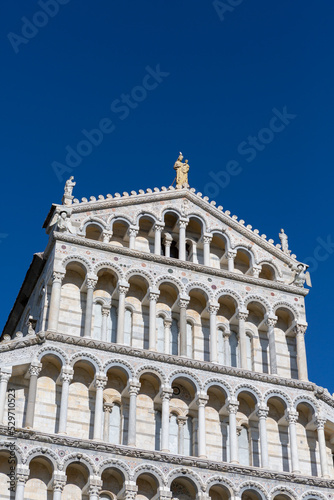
pixel 221 75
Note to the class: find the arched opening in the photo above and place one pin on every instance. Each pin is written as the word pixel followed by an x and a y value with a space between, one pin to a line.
pixel 251 494
pixel 171 235
pixel 194 244
pixel 242 261
pixel 258 358
pixel 137 317
pixel 148 413
pixel 115 407
pixel 248 433
pixel 168 319
pixel 94 232
pixel 81 401
pixel 286 348
pixel 308 450
pixel 48 395
pixel 267 272
pixel 120 233
pixel 183 488
pixel 278 435
pixel 218 248
pixel 7 475
pixel 145 236
pixel 147 487
pixel 112 483
pixel 198 326
pixel 38 485
pixel 105 307
pixel 228 327
pixel 219 492
pixel 183 434
pixel 77 476
pixel 281 496
pixel 216 420
pixel 73 301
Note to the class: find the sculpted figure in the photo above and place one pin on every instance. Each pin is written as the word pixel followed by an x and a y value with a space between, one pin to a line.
pixel 69 185
pixel 284 242
pixel 300 276
pixel 182 170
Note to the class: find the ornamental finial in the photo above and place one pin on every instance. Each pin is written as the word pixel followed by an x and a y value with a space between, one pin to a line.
pixel 182 170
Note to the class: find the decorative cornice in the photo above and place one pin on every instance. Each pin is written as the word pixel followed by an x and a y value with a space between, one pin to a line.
pixel 161 457
pixel 169 261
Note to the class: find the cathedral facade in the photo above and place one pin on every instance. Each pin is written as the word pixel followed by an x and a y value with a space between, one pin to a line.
pixel 156 351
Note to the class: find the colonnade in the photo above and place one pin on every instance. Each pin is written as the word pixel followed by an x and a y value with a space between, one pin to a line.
pixel 231 409
pixel 182 305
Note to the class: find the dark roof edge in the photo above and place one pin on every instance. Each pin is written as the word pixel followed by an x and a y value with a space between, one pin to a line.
pixel 29 282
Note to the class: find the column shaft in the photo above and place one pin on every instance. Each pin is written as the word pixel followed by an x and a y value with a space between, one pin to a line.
pixel 104 329
pixel 166 395
pixel 301 352
pixel 183 328
pixel 4 378
pixel 167 333
pixel 230 260
pixel 34 371
pixel 182 240
pixel 100 383
pixel 292 419
pixel 19 493
pixel 55 301
pixel 181 423
pixel 322 447
pixel 133 390
pixel 157 239
pixel 206 249
pixel 213 309
pixel 272 345
pixel 242 339
pixel 121 313
pixel 234 455
pixel 262 414
pixel 89 307
pixel 66 377
pixel 152 340
pixel 201 402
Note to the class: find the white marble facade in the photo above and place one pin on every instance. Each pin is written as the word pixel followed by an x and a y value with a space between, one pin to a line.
pixel 160 354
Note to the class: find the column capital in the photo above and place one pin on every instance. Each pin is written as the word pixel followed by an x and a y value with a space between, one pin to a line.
pixel 106 310
pixel 320 422
pixel 226 333
pixel 134 387
pixel 231 253
pixel 271 321
pixel 59 481
pixel 66 374
pixel 291 415
pixel 57 277
pixel 233 406
pixel 183 222
pixel 164 494
pixel 107 407
pixel 168 322
pixel 158 227
pixel 5 375
pixel 95 485
pixel 300 328
pixel 22 473
pixel 166 393
pixel 123 287
pixel 106 235
pixel 133 231
pixel 154 294
pixel 91 282
pixel 181 420
pixel 202 399
pixel 256 269
pixel 183 301
pixel 168 239
pixel 207 237
pixel 242 315
pixel 213 308
pixel 35 368
pixel 262 412
pixel 100 381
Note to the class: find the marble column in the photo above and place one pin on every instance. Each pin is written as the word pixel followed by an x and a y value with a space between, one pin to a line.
pixel 234 452
pixel 66 376
pixel 301 351
pixel 168 239
pixel 129 491
pixel 166 395
pixel 227 354
pixel 167 334
pixel 107 410
pixel 292 417
pixel 5 374
pixel 122 291
pixel 201 403
pixel 181 422
pixel 104 329
pixel 230 259
pixel 320 422
pixel 256 271
pixel 95 486
pixel 183 303
pixel 158 228
pixel 134 389
pixel 34 371
pixel 207 238
pixel 22 475
pixel 182 238
pixel 242 316
pixel 100 383
pixel 271 322
pixel 133 231
pixel 152 338
pixel 213 309
pixel 106 236
pixel 90 284
pixel 57 279
pixel 164 493
pixel 59 483
pixel 262 414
